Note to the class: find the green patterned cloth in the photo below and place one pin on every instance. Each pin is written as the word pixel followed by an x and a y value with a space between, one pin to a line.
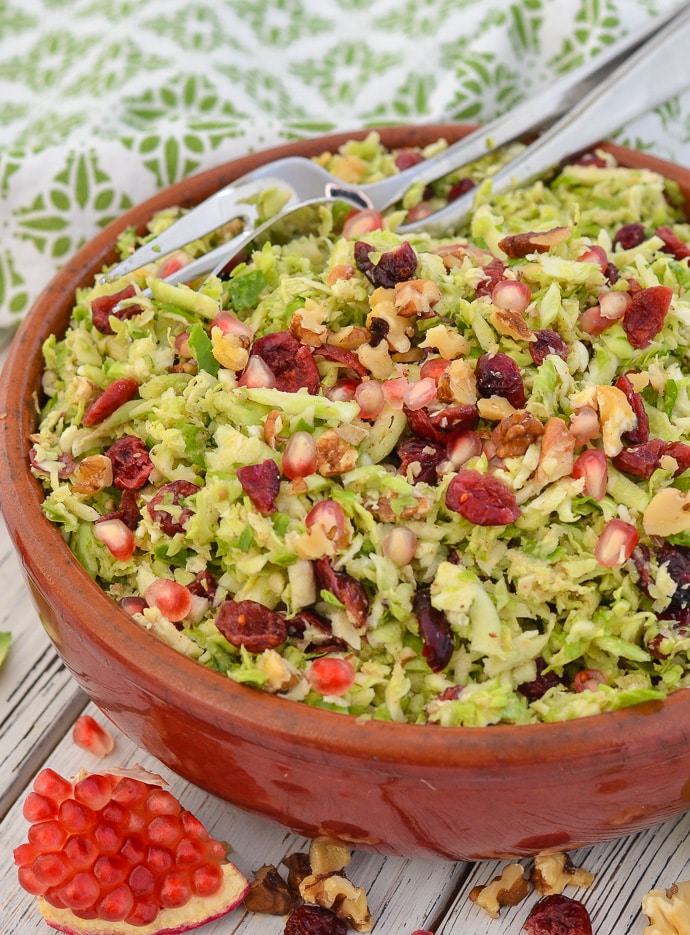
pixel 103 102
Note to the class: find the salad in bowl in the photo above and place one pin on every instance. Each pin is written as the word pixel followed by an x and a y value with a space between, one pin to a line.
pixel 411 478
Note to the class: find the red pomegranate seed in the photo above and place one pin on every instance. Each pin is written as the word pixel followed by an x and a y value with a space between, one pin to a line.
pixel 231 324
pixel 299 456
pixel 116 905
pixel 76 817
pixel 80 892
pixel 143 913
pixel 161 802
pixel 116 536
pixel 420 394
pixel 172 599
pixel 361 222
pixel 330 516
pixel 51 869
pixel 331 675
pixel 343 391
pixel 182 345
pixel 394 391
pixel 173 264
pixel 94 791
pixel 175 890
pixel 511 295
pixel 133 605
pixel 615 543
pixel 462 446
pixel 433 367
pixel 52 785
pixel 24 855
pixel 90 735
pixel 207 880
pixel 38 807
pixel 257 374
pixel 370 398
pixel 48 837
pixel 81 851
pixel 613 305
pixel 593 466
pixel 597 255
pixel 30 882
pixel 400 545
pixel 588 680
pixel 592 322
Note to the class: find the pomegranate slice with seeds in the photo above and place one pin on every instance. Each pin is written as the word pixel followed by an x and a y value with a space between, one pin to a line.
pixel 616 543
pixel 129 886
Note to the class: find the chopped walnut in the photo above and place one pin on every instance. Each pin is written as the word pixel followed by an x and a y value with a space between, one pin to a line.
pixel 514 434
pixel 340 271
pixel 307 324
pixel 272 427
pixel 508 889
pixel 383 510
pixel 345 900
pixel 512 324
pixel 551 874
pixel 382 303
pixel 449 343
pixel 334 455
pixel 327 857
pixel 557 450
pixel 616 417
pixel 457 383
pixel 229 350
pixel 351 337
pixel 270 894
pixel 312 544
pixel 668 911
pixel 416 298
pixel 93 474
pixel 298 867
pixel 280 675
pixel 377 360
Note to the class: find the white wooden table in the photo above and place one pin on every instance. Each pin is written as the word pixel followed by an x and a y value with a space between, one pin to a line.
pixel 39 702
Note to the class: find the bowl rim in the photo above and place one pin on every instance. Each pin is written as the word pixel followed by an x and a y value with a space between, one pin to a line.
pixel 619 734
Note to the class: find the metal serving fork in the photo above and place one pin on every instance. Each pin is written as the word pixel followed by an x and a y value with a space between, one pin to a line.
pixel 657 45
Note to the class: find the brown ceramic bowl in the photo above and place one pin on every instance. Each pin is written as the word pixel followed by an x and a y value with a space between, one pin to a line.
pixel 394 788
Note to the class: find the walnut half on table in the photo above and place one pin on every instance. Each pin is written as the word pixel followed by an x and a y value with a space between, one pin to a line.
pixel 668 910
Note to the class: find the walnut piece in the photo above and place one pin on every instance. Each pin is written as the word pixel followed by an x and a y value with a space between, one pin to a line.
pixel 307 324
pixel 512 324
pixel 514 434
pixel 668 911
pixel 520 245
pixel 298 867
pixel 668 513
pixel 335 892
pixel 508 889
pixel 557 452
pixel 93 474
pixel 327 857
pixel 270 894
pixel 333 455
pixel 416 298
pixel 551 874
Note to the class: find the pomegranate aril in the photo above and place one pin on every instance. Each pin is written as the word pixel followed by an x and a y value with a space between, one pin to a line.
pixel 362 222
pixel 400 545
pixel 162 802
pixel 330 516
pixel 511 295
pixel 189 853
pixel 51 869
pixel 81 851
pixel 159 859
pixel 175 890
pixel 257 374
pixel 115 814
pixel 47 836
pixel 370 399
pixel 90 735
pixel 420 394
pixel 231 324
pixel 170 597
pixel 93 790
pixel 141 881
pixel 433 367
pixel 299 456
pixel 164 830
pixel 81 892
pixel 52 785
pixel 615 543
pixel 30 882
pixel 331 675
pixel 75 817
pixel 111 870
pixel 207 880
pixel 592 465
pixel 108 838
pixel 193 828
pixel 133 849
pixel 116 905
pixel 38 808
pixel 462 446
pixel 143 913
pixel 24 855
pixel 129 792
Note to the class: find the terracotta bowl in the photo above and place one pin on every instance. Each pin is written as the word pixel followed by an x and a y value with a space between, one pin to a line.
pixel 454 793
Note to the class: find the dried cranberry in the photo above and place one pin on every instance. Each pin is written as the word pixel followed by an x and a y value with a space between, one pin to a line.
pixel 611 274
pixel 680 452
pixel 420 424
pixel 114 396
pixel 641 557
pixel 314 920
pixel 629 236
pixel 588 159
pixel 406 158
pixel 347 589
pixel 558 915
pixel 131 462
pixel 460 188
pixel 458 418
pixel 538 687
pixel 394 266
pixel 423 452
pixel 129 509
pixel 676 560
pixel 434 629
pixel 103 306
pixel 640 433
pixel 499 375
pixel 493 273
pixel 291 363
pixel 640 460
pixel 482 499
pixel 645 316
pixel 261 483
pixel 204 585
pixel 250 624
pixel 343 357
pixel 65 460
pixel 548 342
pixel 672 243
pixel 173 493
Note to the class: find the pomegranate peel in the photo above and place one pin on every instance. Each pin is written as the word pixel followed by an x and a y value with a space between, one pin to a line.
pixel 111 853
